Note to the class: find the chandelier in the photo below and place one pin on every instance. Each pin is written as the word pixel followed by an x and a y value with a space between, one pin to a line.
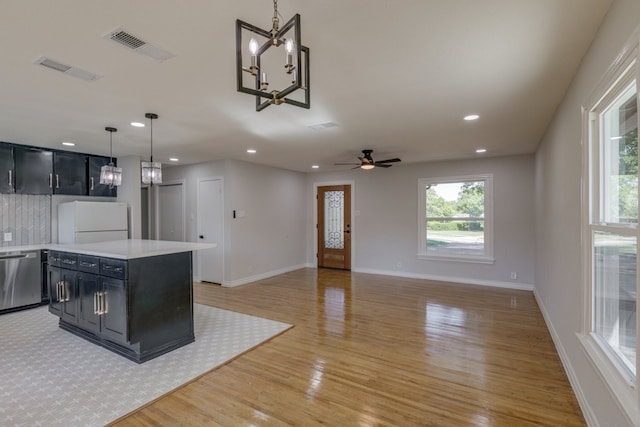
pixel 151 171
pixel 110 174
pixel 261 68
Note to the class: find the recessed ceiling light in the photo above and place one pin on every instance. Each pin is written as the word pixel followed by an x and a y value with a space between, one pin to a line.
pixel 251 151
pixel 481 150
pixel 173 159
pixel 323 126
pixel 471 117
pixel 69 144
pixel 137 124
pixel 315 167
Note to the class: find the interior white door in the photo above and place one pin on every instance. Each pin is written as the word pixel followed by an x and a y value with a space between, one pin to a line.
pixel 210 229
pixel 170 212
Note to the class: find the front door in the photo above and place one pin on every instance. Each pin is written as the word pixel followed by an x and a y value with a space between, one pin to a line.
pixel 334 226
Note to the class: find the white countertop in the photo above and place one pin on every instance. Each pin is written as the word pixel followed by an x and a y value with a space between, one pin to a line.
pixel 130 249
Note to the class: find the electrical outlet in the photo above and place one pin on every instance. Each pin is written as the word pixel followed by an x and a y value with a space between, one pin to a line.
pixel 8 237
pixel 514 275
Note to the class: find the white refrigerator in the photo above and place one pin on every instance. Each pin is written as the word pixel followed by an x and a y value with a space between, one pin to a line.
pixel 90 222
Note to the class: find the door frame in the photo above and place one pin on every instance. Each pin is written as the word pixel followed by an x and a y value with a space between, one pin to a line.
pixel 156 207
pixel 354 233
pixel 221 244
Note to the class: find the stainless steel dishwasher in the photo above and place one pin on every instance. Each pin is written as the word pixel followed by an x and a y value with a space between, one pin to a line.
pixel 20 279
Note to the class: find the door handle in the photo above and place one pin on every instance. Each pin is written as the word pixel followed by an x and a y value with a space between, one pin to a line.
pixel 105 303
pixel 50 180
pixel 91 179
pixel 57 181
pixel 10 179
pixel 347 231
pixel 95 303
pixel 201 236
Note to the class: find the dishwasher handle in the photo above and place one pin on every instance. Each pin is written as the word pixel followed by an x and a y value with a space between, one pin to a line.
pixel 18 256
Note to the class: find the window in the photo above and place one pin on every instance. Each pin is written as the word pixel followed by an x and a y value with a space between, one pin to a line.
pixel 455 221
pixel 612 229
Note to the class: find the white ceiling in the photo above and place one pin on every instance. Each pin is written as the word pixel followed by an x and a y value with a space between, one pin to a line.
pixel 395 76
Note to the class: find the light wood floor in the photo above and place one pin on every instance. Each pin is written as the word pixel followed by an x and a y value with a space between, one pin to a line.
pixel 371 350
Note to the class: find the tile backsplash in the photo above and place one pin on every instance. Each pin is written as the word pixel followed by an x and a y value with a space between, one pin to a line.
pixel 27 217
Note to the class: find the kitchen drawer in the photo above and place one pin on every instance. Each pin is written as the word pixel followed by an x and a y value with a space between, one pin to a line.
pixel 113 268
pixel 54 258
pixel 89 264
pixel 69 261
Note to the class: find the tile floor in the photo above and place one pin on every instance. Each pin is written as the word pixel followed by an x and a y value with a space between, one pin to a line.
pixel 49 377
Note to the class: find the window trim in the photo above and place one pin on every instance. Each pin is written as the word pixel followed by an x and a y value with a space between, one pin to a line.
pixel 487 257
pixel 621 386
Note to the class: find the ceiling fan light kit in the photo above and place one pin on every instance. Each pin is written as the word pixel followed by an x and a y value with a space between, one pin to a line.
pixel 296 64
pixel 367 162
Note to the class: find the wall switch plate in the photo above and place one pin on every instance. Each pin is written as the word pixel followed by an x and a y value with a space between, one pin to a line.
pixel 8 237
pixel 514 275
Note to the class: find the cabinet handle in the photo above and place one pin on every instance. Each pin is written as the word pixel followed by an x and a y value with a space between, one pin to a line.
pixel 65 289
pixel 50 180
pixel 91 179
pixel 57 181
pixel 10 179
pixel 58 291
pixel 105 303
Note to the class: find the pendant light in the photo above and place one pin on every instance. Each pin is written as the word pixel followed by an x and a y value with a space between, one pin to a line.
pixel 151 171
pixel 261 45
pixel 110 174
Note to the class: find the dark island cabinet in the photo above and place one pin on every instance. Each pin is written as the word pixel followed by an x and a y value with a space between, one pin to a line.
pixel 95 188
pixel 7 169
pixel 63 286
pixel 139 308
pixel 102 306
pixel 69 173
pixel 34 170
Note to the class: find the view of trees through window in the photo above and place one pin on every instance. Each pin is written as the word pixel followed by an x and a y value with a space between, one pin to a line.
pixel 626 210
pixel 455 221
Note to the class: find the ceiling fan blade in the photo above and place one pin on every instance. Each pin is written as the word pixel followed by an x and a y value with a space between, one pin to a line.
pixel 357 167
pixel 378 165
pixel 346 164
pixel 389 160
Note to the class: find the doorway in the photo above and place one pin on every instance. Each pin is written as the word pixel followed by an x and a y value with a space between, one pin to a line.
pixel 170 217
pixel 334 226
pixel 211 229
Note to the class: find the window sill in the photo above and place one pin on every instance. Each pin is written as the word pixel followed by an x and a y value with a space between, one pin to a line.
pixel 457 258
pixel 621 386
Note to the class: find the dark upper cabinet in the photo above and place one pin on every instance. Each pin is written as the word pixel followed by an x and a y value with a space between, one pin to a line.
pixel 34 170
pixel 95 188
pixel 69 173
pixel 7 169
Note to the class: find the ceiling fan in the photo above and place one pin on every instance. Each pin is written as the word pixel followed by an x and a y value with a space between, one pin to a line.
pixel 367 162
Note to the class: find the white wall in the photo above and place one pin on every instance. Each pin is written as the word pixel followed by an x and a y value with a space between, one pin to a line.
pixel 385 232
pixel 270 239
pixel 559 288
pixel 129 193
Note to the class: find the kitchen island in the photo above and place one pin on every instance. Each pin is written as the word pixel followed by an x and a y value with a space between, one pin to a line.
pixel 134 297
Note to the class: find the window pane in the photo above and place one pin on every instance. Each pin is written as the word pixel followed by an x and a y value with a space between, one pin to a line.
pixel 448 237
pixel 456 200
pixel 334 219
pixel 619 150
pixel 615 299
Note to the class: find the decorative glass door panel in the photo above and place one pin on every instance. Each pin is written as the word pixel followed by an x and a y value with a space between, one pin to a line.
pixel 334 228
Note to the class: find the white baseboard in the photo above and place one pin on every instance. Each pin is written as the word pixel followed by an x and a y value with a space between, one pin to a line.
pixel 245 280
pixel 587 411
pixel 465 280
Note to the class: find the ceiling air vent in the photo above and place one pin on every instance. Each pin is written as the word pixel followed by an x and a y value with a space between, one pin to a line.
pixel 137 44
pixel 66 69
